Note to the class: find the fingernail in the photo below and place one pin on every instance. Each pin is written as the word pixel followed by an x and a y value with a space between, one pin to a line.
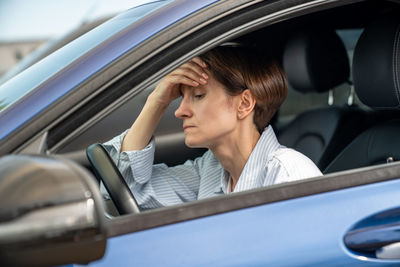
pixel 204 75
pixel 195 83
pixel 202 80
pixel 204 65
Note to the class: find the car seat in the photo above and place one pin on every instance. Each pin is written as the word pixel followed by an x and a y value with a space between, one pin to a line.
pixel 376 72
pixel 315 61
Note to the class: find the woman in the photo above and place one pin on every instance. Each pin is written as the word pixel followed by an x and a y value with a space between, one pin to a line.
pixel 229 95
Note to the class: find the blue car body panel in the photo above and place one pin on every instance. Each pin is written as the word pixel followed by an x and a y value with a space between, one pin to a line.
pixel 297 232
pixel 62 83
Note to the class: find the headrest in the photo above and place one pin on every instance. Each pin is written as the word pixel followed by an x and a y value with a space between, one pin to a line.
pixel 376 63
pixel 315 61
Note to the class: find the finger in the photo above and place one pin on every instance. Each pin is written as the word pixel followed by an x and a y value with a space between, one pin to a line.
pixel 200 70
pixel 179 79
pixel 197 68
pixel 199 62
pixel 190 73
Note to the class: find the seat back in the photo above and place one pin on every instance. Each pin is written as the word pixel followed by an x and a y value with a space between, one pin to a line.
pixel 315 61
pixel 376 72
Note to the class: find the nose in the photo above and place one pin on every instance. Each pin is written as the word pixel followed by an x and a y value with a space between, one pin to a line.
pixel 184 110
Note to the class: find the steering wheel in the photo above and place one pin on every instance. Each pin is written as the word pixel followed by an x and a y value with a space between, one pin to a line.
pixel 108 173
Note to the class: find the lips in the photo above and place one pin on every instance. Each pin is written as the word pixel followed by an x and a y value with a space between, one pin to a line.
pixel 185 127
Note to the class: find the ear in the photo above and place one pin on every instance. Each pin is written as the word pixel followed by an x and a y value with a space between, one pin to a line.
pixel 246 105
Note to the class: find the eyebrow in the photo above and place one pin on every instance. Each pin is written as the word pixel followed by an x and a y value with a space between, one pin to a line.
pixel 192 88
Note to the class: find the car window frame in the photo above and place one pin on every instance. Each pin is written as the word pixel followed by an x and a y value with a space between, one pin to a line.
pixel 335 181
pixel 149 219
pixel 168 50
pixel 137 222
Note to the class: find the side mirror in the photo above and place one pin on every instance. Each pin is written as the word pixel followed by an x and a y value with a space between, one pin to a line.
pixel 51 213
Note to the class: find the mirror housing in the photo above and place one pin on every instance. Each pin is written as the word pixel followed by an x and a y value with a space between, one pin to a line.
pixel 51 212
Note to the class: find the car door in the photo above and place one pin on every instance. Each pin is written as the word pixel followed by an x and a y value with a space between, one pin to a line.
pixel 300 223
pixel 306 223
pixel 322 221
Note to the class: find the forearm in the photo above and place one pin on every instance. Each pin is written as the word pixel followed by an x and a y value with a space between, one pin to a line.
pixel 143 128
pixel 189 74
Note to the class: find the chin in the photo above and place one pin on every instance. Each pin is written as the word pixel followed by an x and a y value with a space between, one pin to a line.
pixel 192 143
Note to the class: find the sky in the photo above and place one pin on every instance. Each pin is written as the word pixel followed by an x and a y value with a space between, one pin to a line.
pixel 22 20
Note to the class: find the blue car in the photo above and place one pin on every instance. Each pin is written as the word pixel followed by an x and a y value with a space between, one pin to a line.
pixel 341 58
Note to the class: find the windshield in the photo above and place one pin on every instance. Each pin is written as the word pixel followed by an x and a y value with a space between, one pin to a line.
pixel 24 83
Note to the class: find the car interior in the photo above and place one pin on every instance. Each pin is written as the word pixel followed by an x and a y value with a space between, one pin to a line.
pixel 342 68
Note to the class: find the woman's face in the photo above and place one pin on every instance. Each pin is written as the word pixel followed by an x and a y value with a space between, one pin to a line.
pixel 208 114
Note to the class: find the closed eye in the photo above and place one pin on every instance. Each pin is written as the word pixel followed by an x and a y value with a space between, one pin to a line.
pixel 199 96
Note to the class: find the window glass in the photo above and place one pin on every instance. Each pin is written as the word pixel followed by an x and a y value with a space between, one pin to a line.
pixel 22 84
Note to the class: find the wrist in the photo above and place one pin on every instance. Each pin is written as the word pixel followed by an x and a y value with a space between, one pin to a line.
pixel 156 102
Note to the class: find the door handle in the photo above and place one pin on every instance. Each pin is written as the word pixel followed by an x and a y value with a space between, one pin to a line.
pixel 370 239
pixel 377 236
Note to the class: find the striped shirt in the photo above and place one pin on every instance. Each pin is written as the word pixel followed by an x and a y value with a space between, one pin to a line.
pixel 159 185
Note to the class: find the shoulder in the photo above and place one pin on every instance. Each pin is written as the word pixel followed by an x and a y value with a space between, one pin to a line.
pixel 284 154
pixel 293 164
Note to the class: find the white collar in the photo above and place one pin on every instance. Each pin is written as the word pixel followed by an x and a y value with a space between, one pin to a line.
pixel 267 144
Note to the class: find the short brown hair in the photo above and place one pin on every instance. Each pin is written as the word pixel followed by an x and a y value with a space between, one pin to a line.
pixel 239 68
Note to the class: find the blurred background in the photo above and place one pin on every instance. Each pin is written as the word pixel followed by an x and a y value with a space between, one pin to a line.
pixel 32 29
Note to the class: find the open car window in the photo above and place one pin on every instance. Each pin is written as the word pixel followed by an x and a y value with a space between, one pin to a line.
pixel 122 111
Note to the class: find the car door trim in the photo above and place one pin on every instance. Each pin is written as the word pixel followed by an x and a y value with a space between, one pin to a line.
pixel 261 196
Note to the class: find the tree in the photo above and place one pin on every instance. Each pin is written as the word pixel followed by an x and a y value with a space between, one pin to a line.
pixel 3 104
